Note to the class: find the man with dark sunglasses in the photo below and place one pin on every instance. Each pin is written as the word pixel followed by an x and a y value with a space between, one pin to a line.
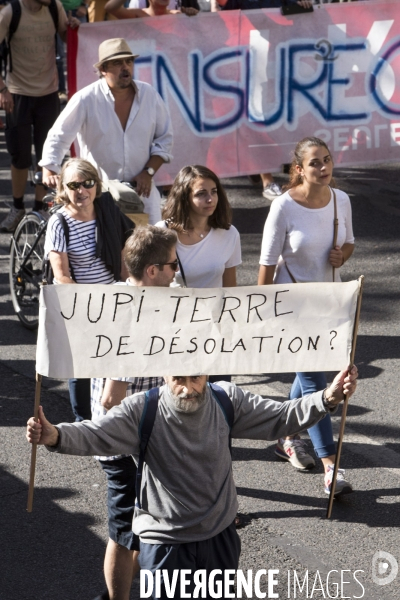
pixel 150 258
pixel 130 117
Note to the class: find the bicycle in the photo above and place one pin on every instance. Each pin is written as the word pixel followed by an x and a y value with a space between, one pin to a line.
pixel 26 261
pixel 26 271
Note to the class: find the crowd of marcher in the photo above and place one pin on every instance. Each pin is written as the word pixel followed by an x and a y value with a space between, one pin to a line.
pixel 35 85
pixel 180 512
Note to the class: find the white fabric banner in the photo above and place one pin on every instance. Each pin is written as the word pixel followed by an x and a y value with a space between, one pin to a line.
pixel 110 331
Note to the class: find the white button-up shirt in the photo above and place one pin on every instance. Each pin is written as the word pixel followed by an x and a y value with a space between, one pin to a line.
pixel 90 118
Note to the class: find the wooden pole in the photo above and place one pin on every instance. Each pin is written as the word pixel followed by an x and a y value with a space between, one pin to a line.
pixel 34 446
pixel 346 402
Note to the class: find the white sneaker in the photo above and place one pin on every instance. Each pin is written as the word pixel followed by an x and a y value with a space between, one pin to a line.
pixel 272 191
pixel 342 486
pixel 293 451
pixel 11 221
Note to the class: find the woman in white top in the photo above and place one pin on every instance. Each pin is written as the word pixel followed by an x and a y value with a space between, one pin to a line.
pixel 97 231
pixel 297 247
pixel 208 245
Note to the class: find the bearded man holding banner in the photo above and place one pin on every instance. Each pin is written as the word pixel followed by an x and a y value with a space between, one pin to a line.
pixel 186 496
pixel 123 127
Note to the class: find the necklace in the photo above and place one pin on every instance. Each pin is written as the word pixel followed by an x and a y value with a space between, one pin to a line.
pixel 200 235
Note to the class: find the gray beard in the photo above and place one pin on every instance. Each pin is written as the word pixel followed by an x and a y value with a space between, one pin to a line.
pixel 189 403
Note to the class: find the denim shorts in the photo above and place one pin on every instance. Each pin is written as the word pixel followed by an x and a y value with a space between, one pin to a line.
pixel 121 479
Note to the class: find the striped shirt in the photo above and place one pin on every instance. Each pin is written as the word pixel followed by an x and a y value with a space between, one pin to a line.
pixel 135 385
pixel 81 249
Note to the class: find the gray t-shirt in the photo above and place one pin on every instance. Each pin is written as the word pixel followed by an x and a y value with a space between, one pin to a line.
pixel 188 493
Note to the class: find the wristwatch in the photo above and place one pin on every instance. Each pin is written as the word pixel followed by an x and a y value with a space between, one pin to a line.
pixel 149 170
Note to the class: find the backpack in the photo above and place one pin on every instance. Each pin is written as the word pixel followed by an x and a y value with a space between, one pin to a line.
pixel 5 48
pixel 47 271
pixel 149 416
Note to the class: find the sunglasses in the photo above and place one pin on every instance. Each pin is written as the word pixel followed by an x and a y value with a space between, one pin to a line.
pixel 174 265
pixel 88 184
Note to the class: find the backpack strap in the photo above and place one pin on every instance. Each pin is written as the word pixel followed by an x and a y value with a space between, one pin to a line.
pixel 65 227
pixel 54 13
pixel 15 19
pixel 145 429
pixel 225 404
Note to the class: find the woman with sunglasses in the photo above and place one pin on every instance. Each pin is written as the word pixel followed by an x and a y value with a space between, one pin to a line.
pixel 208 245
pixel 97 232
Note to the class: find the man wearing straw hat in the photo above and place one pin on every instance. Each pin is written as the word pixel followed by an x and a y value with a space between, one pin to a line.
pixel 123 127
pixel 186 495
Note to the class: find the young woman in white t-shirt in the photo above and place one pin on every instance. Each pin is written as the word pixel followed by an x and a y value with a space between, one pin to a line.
pixel 208 245
pixel 297 247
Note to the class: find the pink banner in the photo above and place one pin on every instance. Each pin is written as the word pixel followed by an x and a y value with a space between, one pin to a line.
pixel 243 87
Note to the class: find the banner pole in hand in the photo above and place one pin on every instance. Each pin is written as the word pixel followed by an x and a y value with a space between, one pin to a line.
pixel 346 402
pixel 34 446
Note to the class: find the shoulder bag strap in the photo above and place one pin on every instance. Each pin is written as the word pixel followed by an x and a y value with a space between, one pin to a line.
pixel 15 19
pixel 290 273
pixel 65 227
pixel 335 227
pixel 145 429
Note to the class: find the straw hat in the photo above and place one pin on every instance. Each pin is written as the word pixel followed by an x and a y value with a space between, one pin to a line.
pixel 112 50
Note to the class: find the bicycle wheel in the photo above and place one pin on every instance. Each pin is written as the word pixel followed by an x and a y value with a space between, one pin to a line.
pixel 26 256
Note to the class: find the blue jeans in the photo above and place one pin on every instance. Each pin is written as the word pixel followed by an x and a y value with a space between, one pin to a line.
pixel 321 434
pixel 79 397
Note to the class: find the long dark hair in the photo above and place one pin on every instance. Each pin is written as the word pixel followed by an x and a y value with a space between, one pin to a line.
pixel 177 208
pixel 305 144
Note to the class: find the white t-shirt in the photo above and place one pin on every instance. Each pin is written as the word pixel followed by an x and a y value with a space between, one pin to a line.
pixel 204 263
pixel 303 237
pixel 81 250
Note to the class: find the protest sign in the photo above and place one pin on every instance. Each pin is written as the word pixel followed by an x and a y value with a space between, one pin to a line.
pixel 243 87
pixel 113 331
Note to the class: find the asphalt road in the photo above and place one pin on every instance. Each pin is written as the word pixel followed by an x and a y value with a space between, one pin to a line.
pixel 56 552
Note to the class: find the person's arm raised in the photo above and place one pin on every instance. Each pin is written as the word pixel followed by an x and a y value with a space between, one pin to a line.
pixel 117 9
